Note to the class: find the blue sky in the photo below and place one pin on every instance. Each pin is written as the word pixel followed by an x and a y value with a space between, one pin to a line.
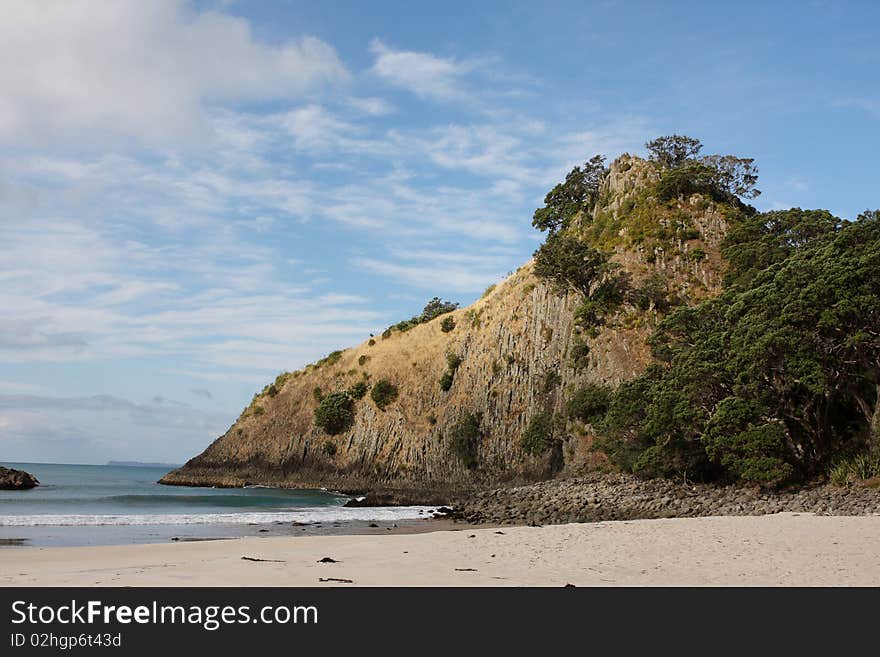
pixel 197 196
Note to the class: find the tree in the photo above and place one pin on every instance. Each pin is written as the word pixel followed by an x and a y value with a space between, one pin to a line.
pixel 761 240
pixel 774 378
pixel 577 194
pixel 673 151
pixel 736 176
pixel 569 263
pixel 434 308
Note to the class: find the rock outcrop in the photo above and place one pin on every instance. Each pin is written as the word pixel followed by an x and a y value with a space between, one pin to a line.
pixel 11 479
pixel 515 346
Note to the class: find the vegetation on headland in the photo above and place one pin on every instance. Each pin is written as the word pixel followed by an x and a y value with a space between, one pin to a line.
pixel 433 309
pixel 775 380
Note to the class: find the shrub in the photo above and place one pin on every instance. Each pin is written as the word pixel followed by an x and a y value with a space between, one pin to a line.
pixel 371 342
pixel 329 448
pixel 330 359
pixel 590 403
pixel 318 394
pixel 446 380
pixel 652 293
pixel 453 361
pixel 856 468
pixel 552 378
pixel 383 393
pixel 432 419
pixel 538 436
pixel 258 410
pixel 447 324
pixel 464 440
pixel 489 290
pixel 434 308
pixel 580 352
pixel 473 316
pixel 358 390
pixel 272 390
pixel 386 333
pixel 335 413
pixel 362 360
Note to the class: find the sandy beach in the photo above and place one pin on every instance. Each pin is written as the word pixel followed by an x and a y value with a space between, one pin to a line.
pixel 774 550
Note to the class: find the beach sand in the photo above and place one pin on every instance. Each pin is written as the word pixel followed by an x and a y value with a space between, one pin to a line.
pixel 783 549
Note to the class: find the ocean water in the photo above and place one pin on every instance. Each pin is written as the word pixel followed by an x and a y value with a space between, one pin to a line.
pixel 101 504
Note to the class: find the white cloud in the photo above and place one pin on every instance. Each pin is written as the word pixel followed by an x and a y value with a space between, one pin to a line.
pixel 372 106
pixel 460 277
pixel 314 129
pixel 90 70
pixel 423 74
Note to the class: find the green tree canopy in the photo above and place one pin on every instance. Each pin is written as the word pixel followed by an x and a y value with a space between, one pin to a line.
pixel 578 193
pixel 335 413
pixel 567 263
pixel 673 150
pixel 772 379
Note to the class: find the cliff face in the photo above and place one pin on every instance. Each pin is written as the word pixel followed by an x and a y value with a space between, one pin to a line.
pixel 515 348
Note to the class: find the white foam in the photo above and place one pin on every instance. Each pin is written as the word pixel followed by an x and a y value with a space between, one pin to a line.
pixel 309 514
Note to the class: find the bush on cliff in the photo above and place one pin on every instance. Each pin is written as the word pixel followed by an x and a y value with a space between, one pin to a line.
pixel 464 439
pixel 335 413
pixel 453 362
pixel 538 436
pixel 358 390
pixel 590 403
pixel 383 393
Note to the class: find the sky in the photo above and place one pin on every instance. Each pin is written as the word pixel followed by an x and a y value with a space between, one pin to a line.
pixel 196 196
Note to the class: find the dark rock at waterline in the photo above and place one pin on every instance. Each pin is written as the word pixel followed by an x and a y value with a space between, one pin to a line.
pixel 16 479
pixel 397 498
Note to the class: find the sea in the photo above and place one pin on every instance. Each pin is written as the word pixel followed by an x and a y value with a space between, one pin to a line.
pixel 123 504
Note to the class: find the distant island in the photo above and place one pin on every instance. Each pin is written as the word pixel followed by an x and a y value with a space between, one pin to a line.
pixel 142 464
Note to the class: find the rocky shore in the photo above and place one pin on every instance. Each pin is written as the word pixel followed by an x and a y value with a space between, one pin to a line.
pixel 599 497
pixel 11 479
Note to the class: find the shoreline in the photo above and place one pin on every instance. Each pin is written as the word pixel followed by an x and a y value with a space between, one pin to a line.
pixel 772 550
pixel 73 536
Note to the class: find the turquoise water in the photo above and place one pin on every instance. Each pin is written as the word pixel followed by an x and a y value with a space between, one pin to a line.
pixel 99 504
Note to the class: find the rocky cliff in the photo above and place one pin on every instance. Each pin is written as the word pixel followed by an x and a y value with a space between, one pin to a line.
pixel 516 360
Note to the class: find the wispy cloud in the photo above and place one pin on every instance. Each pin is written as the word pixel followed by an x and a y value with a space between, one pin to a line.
pixel 870 105
pixel 424 74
